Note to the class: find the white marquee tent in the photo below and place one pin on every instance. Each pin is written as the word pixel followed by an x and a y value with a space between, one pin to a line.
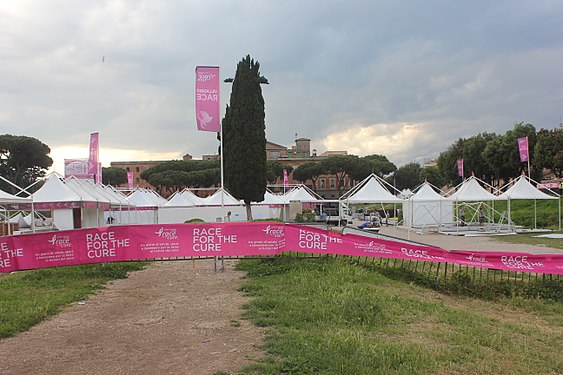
pixel 522 188
pixel 427 208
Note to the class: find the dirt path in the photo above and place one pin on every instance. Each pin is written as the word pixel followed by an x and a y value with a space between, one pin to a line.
pixel 171 318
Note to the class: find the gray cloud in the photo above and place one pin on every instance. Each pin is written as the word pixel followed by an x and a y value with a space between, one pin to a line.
pixel 435 71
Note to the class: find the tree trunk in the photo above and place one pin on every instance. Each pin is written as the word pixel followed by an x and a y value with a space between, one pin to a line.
pixel 248 211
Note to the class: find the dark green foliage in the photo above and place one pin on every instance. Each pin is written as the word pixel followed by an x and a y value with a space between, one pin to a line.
pixel 275 170
pixel 380 165
pixel 447 163
pixel 407 176
pixel 22 160
pixel 179 174
pixel 549 150
pixel 244 135
pixel 342 166
pixel 114 176
pixel 309 171
pixel 432 175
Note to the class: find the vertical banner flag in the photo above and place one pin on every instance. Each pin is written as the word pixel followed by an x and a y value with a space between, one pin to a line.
pixel 460 167
pixel 130 180
pixel 207 111
pixel 94 150
pixel 285 178
pixel 99 174
pixel 523 148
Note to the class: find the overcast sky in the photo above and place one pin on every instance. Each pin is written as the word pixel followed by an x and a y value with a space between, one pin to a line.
pixel 400 78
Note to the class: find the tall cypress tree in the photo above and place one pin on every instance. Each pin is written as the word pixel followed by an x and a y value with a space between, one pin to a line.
pixel 244 136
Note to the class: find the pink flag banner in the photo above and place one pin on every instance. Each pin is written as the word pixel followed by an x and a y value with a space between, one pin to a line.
pixel 523 149
pixel 460 167
pixel 163 241
pixel 94 151
pixel 99 173
pixel 207 99
pixel 285 178
pixel 130 180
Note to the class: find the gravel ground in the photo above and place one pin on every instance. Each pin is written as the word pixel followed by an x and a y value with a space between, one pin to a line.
pixel 474 243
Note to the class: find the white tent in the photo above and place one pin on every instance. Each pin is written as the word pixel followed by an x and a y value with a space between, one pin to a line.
pixel 302 194
pixel 427 208
pixel 270 199
pixel 68 208
pixel 7 198
pixel 221 198
pixel 471 191
pixel 145 198
pixel 190 196
pixel 178 200
pixel 522 188
pixel 471 195
pixel 370 190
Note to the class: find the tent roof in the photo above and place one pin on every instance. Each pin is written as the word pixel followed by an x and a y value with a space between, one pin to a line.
pixel 523 189
pixel 190 196
pixel 9 198
pixel 145 198
pixel 86 191
pixel 370 190
pixel 426 193
pixel 300 193
pixel 471 190
pixel 55 190
pixel 270 198
pixel 226 200
pixel 178 200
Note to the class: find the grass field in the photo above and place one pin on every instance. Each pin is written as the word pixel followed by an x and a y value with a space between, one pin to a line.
pixel 28 297
pixel 326 316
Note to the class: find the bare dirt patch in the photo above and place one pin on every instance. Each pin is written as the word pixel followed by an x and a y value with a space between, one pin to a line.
pixel 176 317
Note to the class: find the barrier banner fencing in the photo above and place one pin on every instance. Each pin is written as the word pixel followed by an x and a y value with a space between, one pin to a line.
pixel 164 241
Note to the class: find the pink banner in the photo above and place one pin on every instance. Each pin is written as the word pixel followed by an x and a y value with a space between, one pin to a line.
pixel 98 178
pixel 77 168
pixel 140 242
pixel 130 180
pixel 460 167
pixel 285 178
pixel 207 99
pixel 94 151
pixel 523 148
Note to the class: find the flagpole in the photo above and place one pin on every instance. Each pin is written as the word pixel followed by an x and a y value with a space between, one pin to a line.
pixel 222 175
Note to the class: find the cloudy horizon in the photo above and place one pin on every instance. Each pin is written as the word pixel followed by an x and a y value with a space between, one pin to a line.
pixel 369 77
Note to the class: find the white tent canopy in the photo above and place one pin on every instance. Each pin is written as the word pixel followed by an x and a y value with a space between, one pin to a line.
pixel 178 200
pixel 522 188
pixel 270 199
pixel 370 190
pixel 190 196
pixel 471 190
pixel 54 190
pixel 221 198
pixel 146 198
pixel 301 193
pixel 427 208
pixel 6 198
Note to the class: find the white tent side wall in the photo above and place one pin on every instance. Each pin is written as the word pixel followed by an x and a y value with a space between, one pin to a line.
pixel 63 218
